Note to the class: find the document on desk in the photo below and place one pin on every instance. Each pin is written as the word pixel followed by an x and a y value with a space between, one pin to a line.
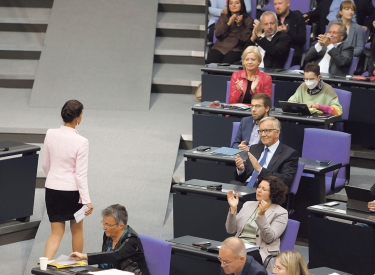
pixel 248 247
pixel 111 272
pixel 80 214
pixel 64 261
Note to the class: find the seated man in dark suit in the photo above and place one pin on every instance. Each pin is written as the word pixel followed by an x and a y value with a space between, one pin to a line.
pixel 234 260
pixel 273 45
pixel 269 158
pixel 248 130
pixel 332 54
pixel 293 24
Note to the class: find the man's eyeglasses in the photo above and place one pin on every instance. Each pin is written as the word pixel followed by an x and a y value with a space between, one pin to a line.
pixel 225 263
pixel 256 106
pixel 106 225
pixel 265 131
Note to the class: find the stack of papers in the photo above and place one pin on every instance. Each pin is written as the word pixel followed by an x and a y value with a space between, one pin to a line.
pixel 64 261
pixel 111 272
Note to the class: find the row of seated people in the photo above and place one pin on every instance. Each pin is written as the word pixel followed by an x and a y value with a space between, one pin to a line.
pixel 251 81
pixel 276 34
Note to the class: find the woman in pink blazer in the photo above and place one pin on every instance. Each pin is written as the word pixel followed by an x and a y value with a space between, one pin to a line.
pixel 65 159
pixel 250 80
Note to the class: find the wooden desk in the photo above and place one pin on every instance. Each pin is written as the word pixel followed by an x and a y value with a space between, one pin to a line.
pixel 341 245
pixel 311 191
pixel 213 125
pixel 200 212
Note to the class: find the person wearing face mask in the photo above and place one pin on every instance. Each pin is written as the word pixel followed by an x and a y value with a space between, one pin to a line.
pixel 65 162
pixel 263 221
pixel 315 93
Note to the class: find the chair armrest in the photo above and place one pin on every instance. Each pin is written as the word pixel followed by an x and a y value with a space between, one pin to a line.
pixel 267 260
pixel 336 172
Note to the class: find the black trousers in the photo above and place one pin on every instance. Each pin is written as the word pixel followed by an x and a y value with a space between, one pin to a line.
pixel 215 56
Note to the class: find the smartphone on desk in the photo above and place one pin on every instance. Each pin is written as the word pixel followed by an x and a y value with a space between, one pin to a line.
pixel 200 244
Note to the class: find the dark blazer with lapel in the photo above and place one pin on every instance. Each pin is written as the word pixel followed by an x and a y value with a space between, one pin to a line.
pixel 277 50
pixel 284 164
pixel 251 267
pixel 341 58
pixel 364 8
pixel 244 131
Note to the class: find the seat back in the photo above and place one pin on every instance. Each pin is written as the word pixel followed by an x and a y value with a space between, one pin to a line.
pixel 353 65
pixel 273 93
pixel 306 46
pixel 253 12
pixel 288 238
pixel 345 98
pixel 157 254
pixel 288 62
pixel 295 184
pixel 235 127
pixel 321 144
pixel 228 92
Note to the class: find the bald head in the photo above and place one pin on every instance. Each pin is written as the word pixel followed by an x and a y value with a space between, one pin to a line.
pixel 236 245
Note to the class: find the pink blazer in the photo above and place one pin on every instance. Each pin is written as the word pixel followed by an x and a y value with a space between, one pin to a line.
pixel 65 161
pixel 264 85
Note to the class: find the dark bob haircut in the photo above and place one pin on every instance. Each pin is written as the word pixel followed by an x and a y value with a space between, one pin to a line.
pixel 71 110
pixel 278 189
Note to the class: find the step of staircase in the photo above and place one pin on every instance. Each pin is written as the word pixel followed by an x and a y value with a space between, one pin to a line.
pixel 181 21
pixel 17 73
pixel 27 3
pixel 177 74
pixel 174 46
pixel 184 2
pixel 17 15
pixel 20 45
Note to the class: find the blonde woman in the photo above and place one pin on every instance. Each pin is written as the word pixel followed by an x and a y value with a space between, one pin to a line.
pixel 290 263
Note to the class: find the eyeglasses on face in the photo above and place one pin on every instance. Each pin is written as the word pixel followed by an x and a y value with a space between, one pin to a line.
pixel 265 131
pixel 107 225
pixel 225 263
pixel 257 106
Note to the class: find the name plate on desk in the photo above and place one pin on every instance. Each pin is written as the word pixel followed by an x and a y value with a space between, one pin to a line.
pixel 327 208
pixel 200 187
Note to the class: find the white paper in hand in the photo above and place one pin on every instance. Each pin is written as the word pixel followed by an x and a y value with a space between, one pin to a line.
pixel 80 214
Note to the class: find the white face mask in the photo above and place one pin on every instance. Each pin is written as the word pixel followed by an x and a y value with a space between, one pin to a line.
pixel 311 84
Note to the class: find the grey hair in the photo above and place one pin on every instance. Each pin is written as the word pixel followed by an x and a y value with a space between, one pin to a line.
pixel 276 122
pixel 342 25
pixel 118 212
pixel 236 245
pixel 268 13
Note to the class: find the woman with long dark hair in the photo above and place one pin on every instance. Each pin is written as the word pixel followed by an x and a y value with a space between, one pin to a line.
pixel 233 30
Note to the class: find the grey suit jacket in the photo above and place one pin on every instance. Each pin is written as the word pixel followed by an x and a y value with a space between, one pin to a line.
pixel 355 38
pixel 270 227
pixel 341 58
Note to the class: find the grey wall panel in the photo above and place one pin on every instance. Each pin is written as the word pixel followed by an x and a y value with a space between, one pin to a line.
pixel 99 52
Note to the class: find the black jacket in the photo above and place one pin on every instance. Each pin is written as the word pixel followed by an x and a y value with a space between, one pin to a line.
pixel 283 164
pixel 296 30
pixel 128 254
pixel 251 267
pixel 277 50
